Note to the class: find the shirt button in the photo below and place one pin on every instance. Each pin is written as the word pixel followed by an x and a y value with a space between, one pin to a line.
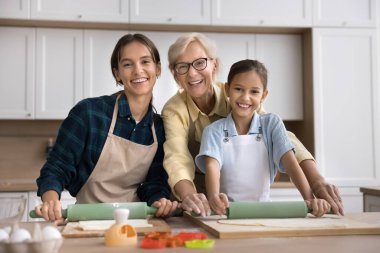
pixel 129 118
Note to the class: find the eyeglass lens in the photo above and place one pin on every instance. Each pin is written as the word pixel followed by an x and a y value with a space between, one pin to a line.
pixel 198 64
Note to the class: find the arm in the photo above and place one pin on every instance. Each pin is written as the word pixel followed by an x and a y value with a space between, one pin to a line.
pixel 319 186
pixel 218 201
pixel 319 206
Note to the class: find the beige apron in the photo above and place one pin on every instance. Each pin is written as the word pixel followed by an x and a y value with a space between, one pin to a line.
pixel 122 166
pixel 245 172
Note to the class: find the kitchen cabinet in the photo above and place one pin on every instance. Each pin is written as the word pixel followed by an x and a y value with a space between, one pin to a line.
pixel 344 13
pixel 80 10
pixel 278 13
pixel 371 199
pixel 14 209
pixel 285 81
pixel 98 47
pixel 194 12
pixel 17 72
pixel 15 9
pixel 59 71
pixel 346 107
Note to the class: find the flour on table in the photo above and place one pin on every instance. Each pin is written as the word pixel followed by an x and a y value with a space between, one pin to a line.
pixel 105 224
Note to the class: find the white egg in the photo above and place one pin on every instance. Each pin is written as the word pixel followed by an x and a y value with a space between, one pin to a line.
pixel 4 236
pixel 50 233
pixel 20 235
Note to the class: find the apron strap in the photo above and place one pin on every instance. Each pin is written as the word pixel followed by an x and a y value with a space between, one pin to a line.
pixel 114 116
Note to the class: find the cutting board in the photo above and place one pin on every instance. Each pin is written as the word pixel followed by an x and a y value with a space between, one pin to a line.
pixel 353 224
pixel 72 229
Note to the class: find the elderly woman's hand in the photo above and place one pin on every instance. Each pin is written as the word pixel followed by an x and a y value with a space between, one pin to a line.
pixel 330 193
pixel 197 203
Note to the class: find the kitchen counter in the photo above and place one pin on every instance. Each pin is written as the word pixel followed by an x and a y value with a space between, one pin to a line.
pixel 317 244
pixel 371 198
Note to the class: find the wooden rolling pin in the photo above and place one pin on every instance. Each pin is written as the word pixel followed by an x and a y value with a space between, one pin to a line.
pixel 140 210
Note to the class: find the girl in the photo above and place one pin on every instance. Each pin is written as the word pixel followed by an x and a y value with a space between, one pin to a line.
pixel 241 154
pixel 110 148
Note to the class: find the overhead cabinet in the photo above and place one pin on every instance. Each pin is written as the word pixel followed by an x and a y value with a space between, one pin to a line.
pixel 345 13
pixel 15 9
pixel 194 12
pixel 81 10
pixel 279 13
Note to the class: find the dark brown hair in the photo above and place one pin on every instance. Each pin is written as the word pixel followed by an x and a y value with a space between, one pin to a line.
pixel 248 65
pixel 127 39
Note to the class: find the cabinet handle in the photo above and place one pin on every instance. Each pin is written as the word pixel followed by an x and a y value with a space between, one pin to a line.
pixel 169 20
pixel 261 22
pixel 344 23
pixel 29 115
pixel 80 16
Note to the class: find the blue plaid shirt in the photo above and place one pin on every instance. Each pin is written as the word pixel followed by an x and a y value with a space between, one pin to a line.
pixel 80 141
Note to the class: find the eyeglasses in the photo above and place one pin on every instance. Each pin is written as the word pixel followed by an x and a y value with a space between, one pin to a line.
pixel 182 67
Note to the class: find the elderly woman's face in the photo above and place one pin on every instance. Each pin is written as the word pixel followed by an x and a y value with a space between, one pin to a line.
pixel 194 70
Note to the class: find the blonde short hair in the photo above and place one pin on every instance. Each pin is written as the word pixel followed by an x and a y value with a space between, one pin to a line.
pixel 179 46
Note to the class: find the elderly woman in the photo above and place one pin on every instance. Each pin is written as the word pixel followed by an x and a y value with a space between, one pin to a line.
pixel 201 101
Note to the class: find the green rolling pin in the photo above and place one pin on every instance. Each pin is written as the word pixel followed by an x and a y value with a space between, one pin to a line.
pixel 140 210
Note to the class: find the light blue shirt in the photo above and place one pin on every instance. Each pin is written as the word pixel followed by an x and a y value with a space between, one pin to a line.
pixel 273 132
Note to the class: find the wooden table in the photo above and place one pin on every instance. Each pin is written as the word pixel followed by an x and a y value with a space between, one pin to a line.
pixel 318 244
pixel 310 244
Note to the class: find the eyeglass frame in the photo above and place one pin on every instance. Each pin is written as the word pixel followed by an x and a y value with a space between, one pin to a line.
pixel 191 64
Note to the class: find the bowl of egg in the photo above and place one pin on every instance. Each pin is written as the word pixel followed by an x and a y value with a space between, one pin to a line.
pixel 32 237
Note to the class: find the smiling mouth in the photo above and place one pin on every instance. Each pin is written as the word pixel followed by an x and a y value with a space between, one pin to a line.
pixel 139 80
pixel 243 106
pixel 194 83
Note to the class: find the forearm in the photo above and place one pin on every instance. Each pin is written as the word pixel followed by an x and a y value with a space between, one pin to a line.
pixel 309 168
pixel 294 171
pixel 212 176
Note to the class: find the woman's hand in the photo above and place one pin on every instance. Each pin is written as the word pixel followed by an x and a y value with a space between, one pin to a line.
pixel 330 193
pixel 197 203
pixel 51 211
pixel 319 206
pixel 166 208
pixel 219 203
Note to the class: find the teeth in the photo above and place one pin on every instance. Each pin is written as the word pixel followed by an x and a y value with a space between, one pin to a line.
pixel 243 105
pixel 195 82
pixel 140 80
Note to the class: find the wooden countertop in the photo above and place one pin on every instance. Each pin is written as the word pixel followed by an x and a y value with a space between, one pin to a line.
pixel 310 244
pixel 375 190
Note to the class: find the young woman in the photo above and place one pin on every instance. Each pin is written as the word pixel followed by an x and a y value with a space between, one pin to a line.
pixel 202 100
pixel 110 148
pixel 242 153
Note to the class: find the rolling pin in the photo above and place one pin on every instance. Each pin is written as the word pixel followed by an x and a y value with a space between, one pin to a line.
pixel 140 210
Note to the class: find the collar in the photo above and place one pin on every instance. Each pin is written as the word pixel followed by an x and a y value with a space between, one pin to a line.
pixel 229 125
pixel 125 111
pixel 220 107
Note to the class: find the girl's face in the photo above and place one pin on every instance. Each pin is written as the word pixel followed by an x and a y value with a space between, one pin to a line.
pixel 197 83
pixel 246 93
pixel 137 70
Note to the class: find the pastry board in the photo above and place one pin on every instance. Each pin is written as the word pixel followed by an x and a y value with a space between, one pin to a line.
pixel 353 224
pixel 73 229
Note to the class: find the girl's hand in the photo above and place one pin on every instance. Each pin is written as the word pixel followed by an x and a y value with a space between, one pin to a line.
pixel 319 206
pixel 219 203
pixel 197 203
pixel 51 211
pixel 166 208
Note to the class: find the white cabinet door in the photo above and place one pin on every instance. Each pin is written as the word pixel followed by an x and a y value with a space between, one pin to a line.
pixel 14 9
pixel 195 12
pixel 17 49
pixel 346 105
pixel 282 56
pixel 345 13
pixel 59 77
pixel 165 86
pixel 98 47
pixel 80 10
pixel 7 210
pixel 279 13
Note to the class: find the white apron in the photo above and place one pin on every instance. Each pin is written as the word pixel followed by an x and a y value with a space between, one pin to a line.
pixel 245 172
pixel 122 166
